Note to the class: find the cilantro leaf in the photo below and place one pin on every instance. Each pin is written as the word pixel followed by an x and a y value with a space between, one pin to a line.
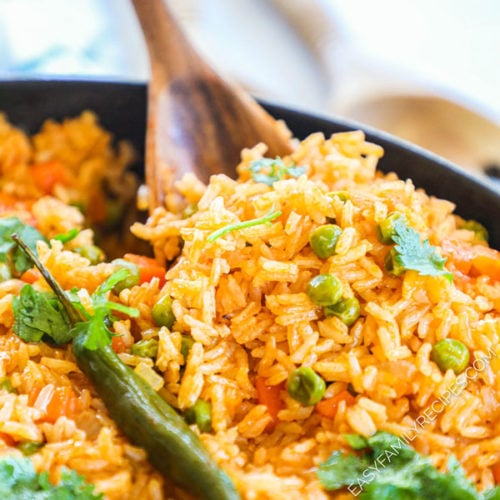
pixel 39 315
pixel 266 219
pixel 339 470
pixel 95 330
pixel 62 317
pixel 356 442
pixel 390 469
pixel 9 252
pixel 18 479
pixel 268 170
pixel 411 253
pixel 68 236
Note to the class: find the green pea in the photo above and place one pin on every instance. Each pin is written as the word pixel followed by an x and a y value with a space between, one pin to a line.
pixel 348 310
pixel 450 354
pixel 323 240
pixel 29 447
pixel 392 264
pixel 91 252
pixel 186 344
pixel 162 312
pixel 386 230
pixel 306 386
pixel 480 232
pixel 324 290
pixel 6 385
pixel 5 273
pixel 132 279
pixel 200 414
pixel 147 348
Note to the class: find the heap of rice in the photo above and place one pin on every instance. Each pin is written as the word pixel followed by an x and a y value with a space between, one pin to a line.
pixel 242 298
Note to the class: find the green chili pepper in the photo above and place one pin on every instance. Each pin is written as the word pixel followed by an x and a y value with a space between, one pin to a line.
pixel 149 422
pixel 141 414
pixel 306 386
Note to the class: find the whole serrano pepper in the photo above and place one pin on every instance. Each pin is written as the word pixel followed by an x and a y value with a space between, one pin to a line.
pixel 141 414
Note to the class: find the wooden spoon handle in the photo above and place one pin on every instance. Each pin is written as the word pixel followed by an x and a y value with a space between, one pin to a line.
pixel 196 121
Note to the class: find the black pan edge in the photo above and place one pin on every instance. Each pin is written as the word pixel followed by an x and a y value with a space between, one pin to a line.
pixel 121 107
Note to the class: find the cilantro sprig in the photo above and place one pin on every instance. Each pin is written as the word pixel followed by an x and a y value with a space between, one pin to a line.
pixel 386 467
pixel 94 328
pixel 411 253
pixel 18 479
pixel 62 317
pixel 265 219
pixel 269 170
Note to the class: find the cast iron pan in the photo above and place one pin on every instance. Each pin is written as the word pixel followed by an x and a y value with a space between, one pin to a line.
pixel 122 109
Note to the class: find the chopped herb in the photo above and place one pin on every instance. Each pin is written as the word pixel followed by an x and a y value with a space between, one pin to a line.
pixel 390 469
pixel 356 442
pixel 18 479
pixel 66 237
pixel 268 170
pixel 266 219
pixel 92 327
pixel 411 253
pixel 9 252
pixel 40 315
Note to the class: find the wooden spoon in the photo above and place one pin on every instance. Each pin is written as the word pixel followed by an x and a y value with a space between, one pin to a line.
pixel 197 122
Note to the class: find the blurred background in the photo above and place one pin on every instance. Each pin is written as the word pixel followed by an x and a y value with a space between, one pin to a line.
pixel 424 70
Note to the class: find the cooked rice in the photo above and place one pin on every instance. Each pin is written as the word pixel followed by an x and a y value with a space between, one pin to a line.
pixel 242 299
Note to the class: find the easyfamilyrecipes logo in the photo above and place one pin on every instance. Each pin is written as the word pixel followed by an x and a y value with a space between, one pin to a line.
pixel 428 416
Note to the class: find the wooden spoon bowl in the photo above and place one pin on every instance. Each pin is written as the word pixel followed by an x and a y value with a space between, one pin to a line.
pixel 197 122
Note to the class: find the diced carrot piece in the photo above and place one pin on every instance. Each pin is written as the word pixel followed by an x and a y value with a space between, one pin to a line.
pixel 328 407
pixel 47 175
pixel 58 402
pixel 486 261
pixel 117 344
pixel 33 394
pixel 269 395
pixel 31 275
pixel 7 439
pixel 496 472
pixel 148 268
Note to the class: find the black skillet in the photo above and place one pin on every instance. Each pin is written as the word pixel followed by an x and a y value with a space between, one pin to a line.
pixel 121 108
